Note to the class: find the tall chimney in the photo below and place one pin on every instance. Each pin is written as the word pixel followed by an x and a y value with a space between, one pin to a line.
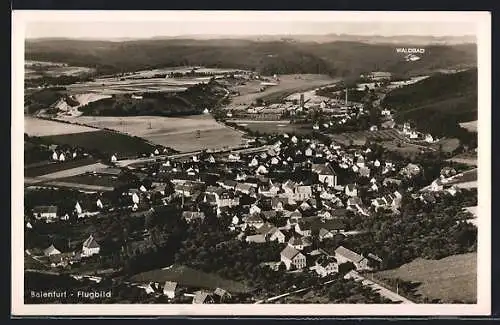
pixel 346 97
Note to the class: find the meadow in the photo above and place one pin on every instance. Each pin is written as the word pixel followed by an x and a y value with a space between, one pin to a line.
pixel 179 133
pixel 449 279
pixel 186 276
pixel 40 127
pixel 288 85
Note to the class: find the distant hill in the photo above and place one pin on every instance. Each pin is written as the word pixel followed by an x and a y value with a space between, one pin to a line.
pixel 439 103
pixel 340 57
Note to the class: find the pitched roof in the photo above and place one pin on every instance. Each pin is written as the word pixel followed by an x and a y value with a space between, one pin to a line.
pixel 266 228
pixel 323 169
pixel 348 254
pixel 220 292
pixel 289 252
pixel 90 242
pixel 259 238
pixel 200 297
pixel 51 250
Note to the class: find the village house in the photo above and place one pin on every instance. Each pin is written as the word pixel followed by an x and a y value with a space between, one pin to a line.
pixel 276 234
pixel 220 197
pixel 90 247
pixel 325 265
pixel 246 188
pixel 191 216
pixel 51 250
pixel 344 255
pixel 187 188
pixel 299 242
pixel 291 257
pixel 326 174
pixel 302 193
pixel 222 295
pixel 254 220
pixel 410 170
pixel 170 289
pixel 46 212
pixel 351 190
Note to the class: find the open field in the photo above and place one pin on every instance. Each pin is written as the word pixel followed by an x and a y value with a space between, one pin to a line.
pixel 288 85
pixel 450 279
pixel 70 172
pixel 39 127
pixel 104 141
pixel 179 133
pixel 35 69
pixel 470 126
pixel 381 135
pixel 55 167
pixel 110 86
pixel 186 276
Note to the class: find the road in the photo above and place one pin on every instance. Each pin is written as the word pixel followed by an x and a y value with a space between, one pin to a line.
pixel 128 162
pixel 384 292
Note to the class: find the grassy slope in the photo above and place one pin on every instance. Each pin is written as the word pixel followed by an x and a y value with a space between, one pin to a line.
pixel 338 58
pixel 451 278
pixel 187 276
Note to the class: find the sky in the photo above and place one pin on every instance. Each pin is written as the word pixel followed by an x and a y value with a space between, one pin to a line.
pixel 97 26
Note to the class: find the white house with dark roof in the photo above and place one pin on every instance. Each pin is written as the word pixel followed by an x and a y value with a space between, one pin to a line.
pixel 90 247
pixel 325 265
pixel 326 174
pixel 292 257
pixel 351 190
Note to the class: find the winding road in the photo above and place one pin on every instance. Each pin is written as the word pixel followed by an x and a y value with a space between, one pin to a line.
pixel 384 292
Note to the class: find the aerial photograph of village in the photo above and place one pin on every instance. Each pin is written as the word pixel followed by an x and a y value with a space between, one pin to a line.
pixel 333 164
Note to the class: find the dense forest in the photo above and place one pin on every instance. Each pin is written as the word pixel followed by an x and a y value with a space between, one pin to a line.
pixel 339 58
pixel 438 103
pixel 191 101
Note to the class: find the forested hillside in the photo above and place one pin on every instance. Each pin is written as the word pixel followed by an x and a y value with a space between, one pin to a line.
pixel 438 103
pixel 339 58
